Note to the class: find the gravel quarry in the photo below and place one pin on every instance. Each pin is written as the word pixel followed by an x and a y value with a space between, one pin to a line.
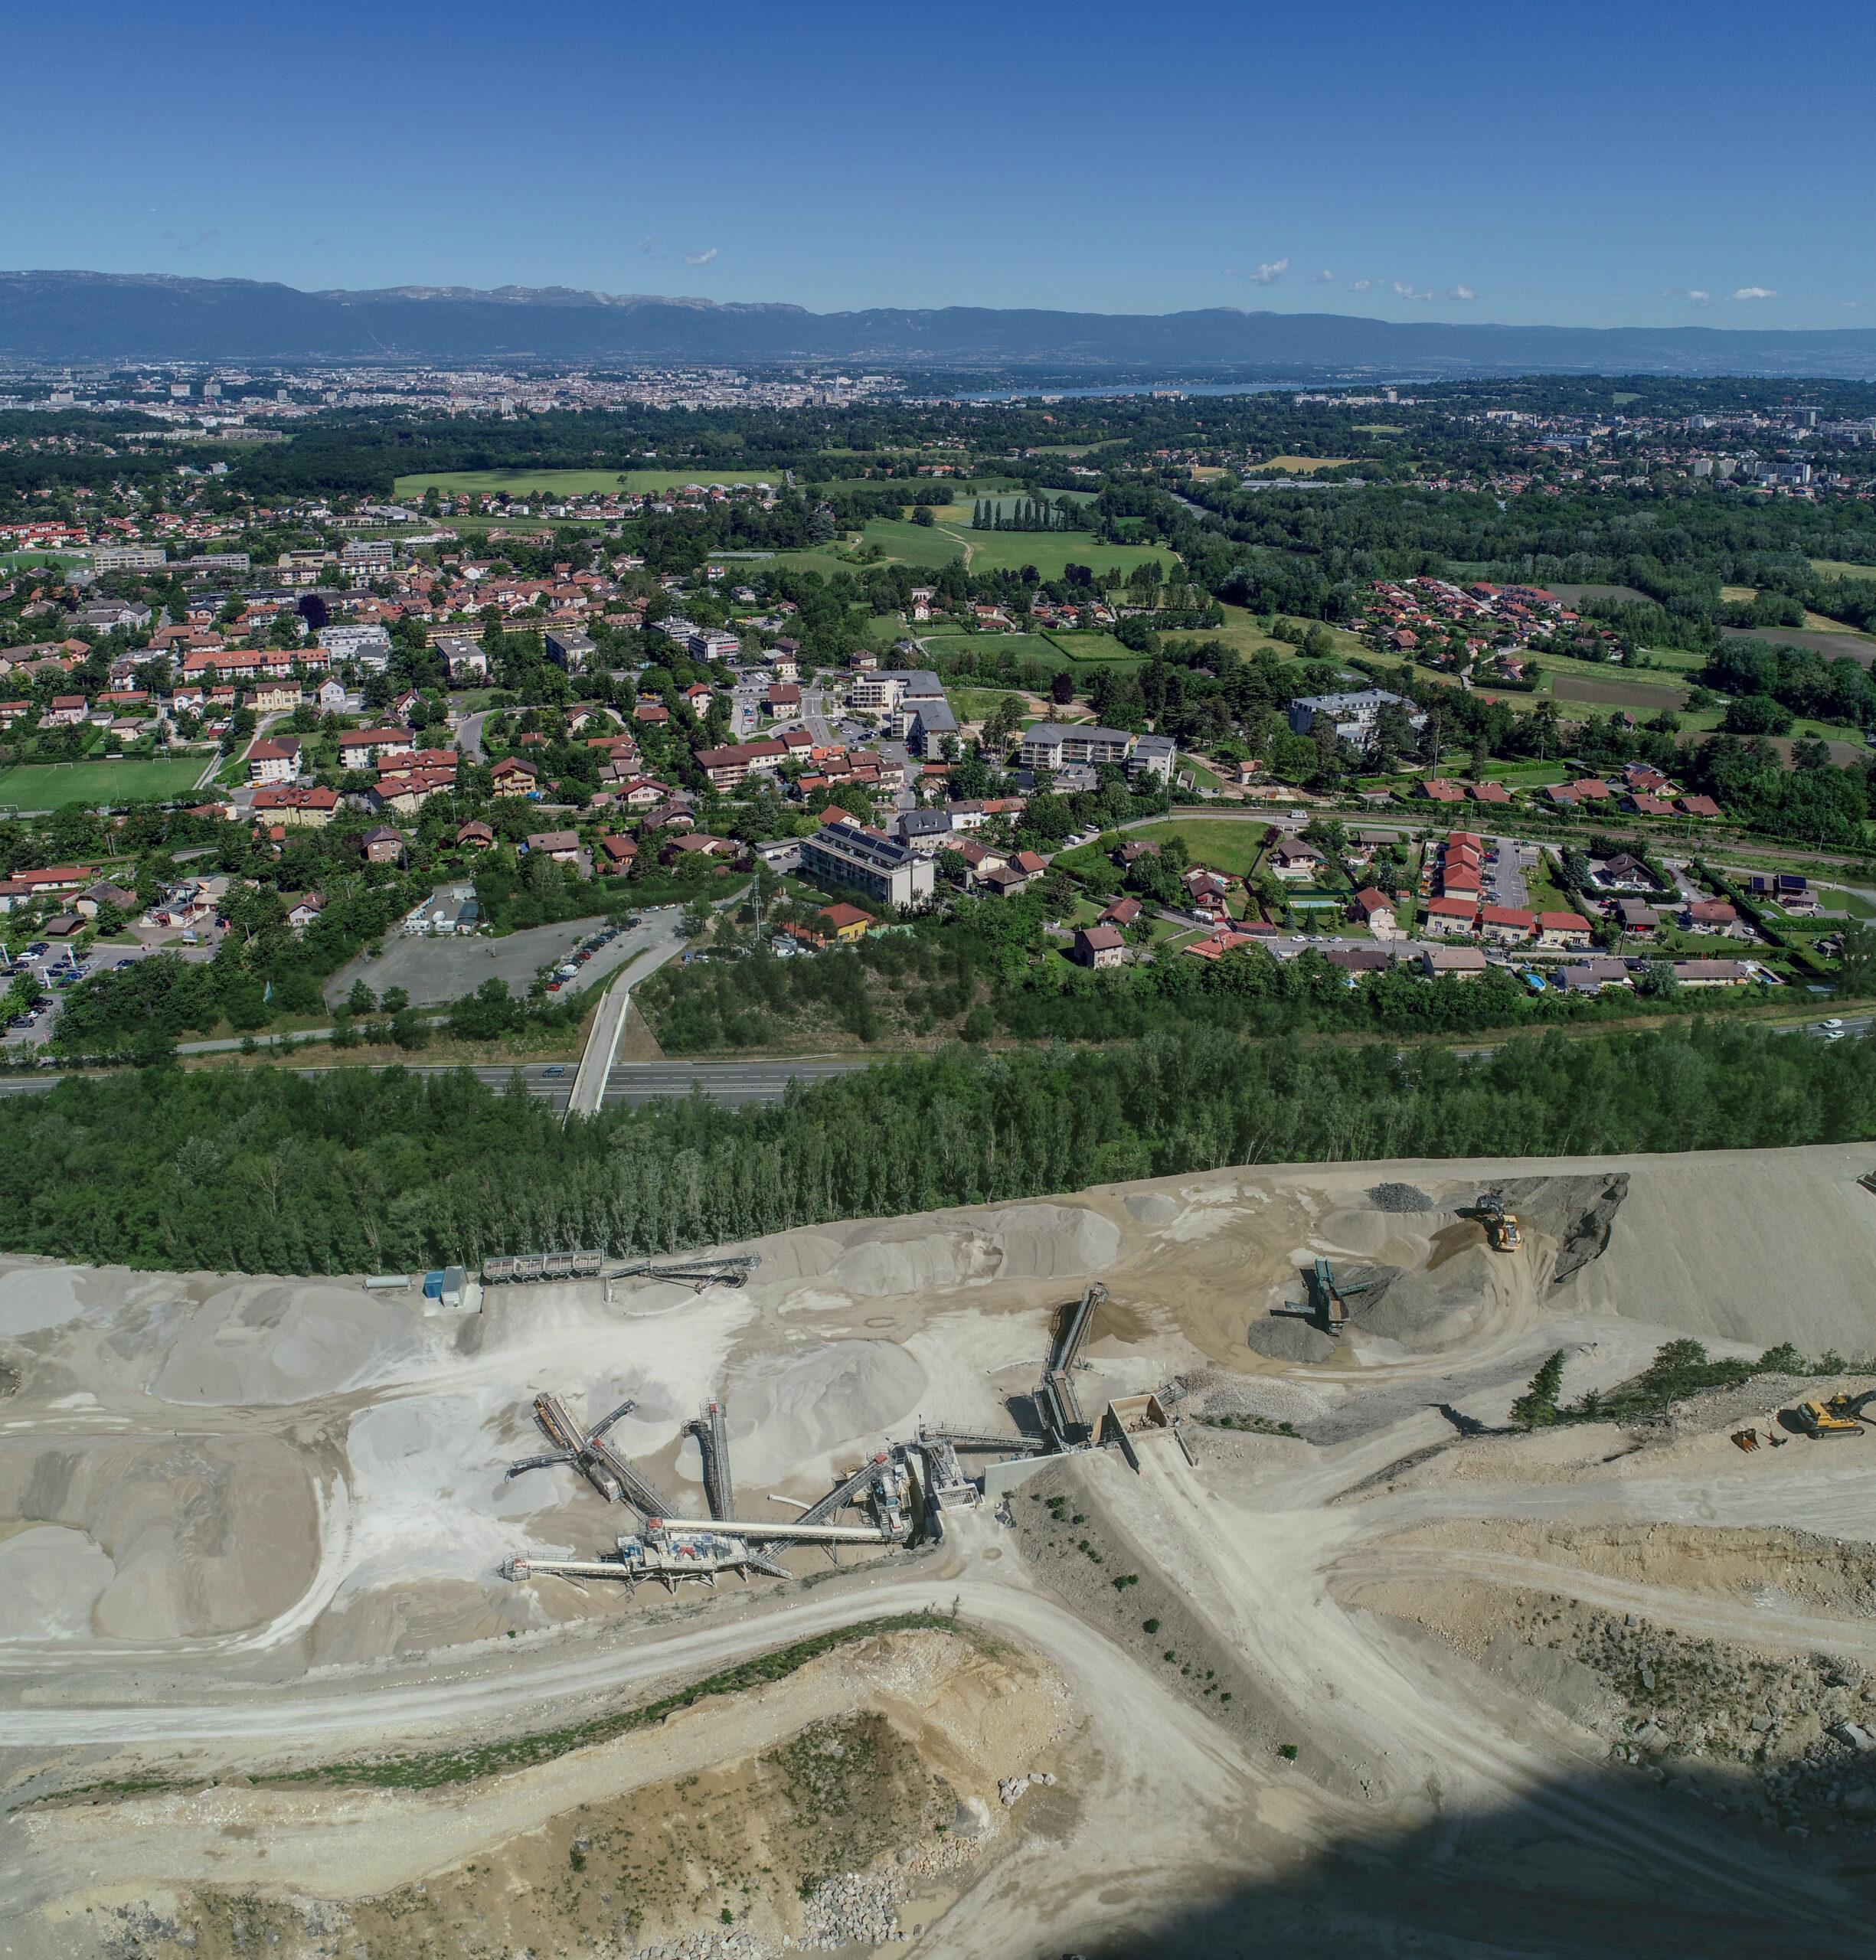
pixel 1340 1660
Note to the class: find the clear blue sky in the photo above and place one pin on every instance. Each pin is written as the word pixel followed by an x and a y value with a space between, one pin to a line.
pixel 1586 163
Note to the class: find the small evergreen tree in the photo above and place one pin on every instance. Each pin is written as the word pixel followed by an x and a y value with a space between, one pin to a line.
pixel 1537 1407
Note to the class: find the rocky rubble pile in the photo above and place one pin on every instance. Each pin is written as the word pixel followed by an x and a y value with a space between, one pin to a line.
pixel 1214 1394
pixel 1807 1727
pixel 856 1909
pixel 734 1944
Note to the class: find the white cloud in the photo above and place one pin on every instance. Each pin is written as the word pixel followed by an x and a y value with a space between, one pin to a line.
pixel 1323 279
pixel 1360 285
pixel 648 243
pixel 1271 271
pixel 699 258
pixel 1462 292
pixel 1694 295
pixel 1754 292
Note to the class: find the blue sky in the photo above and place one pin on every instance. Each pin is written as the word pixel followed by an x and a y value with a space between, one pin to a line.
pixel 1583 164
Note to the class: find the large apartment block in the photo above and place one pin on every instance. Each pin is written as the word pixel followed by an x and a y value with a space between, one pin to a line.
pixel 1355 715
pixel 849 856
pixel 1050 744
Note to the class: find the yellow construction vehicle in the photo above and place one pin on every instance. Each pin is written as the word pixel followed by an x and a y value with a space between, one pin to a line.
pixel 1502 1231
pixel 1819 1421
pixel 1852 1408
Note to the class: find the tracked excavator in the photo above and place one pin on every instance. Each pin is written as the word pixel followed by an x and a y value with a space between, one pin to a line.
pixel 1841 1415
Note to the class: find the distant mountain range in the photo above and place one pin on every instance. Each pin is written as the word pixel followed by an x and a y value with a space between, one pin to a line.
pixel 75 317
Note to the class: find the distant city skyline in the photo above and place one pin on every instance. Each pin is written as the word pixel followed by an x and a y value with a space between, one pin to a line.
pixel 1601 166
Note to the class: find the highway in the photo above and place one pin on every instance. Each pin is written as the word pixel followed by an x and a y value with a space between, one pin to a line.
pixel 632 1083
pixel 736 1085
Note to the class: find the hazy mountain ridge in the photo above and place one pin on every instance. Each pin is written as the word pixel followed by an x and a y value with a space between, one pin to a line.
pixel 81 316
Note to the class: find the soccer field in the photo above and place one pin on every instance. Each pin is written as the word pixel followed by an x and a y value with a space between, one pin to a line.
pixel 51 786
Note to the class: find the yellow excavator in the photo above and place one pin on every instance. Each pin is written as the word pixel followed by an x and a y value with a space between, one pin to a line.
pixel 1841 1415
pixel 1503 1233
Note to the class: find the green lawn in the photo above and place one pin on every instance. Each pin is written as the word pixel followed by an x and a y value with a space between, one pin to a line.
pixel 573 483
pixel 1223 846
pixel 1101 647
pixel 1244 633
pixel 1527 775
pixel 978 703
pixel 828 560
pixel 1202 777
pixel 11 561
pixel 50 786
pixel 902 542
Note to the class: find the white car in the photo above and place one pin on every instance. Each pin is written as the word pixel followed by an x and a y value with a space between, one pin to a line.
pixel 1832 1022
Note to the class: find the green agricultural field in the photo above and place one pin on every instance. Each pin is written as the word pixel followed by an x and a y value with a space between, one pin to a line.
pixel 957 490
pixel 1032 647
pixel 1019 646
pixel 571 483
pixel 1840 568
pixel 1051 551
pixel 51 786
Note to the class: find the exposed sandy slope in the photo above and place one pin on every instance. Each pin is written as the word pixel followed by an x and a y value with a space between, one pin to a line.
pixel 250 1521
pixel 491 1862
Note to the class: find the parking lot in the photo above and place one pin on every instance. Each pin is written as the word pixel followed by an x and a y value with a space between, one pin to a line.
pixel 57 971
pixel 433 971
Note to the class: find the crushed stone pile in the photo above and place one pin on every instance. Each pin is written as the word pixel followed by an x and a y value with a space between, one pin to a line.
pixel 1284 1338
pixel 1274 1401
pixel 1400 1198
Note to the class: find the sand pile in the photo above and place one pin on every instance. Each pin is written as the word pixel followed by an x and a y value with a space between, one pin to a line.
pixel 51 1578
pixel 189 1536
pixel 1434 1308
pixel 1579 1213
pixel 1758 1247
pixel 838 1396
pixel 1022 1241
pixel 35 1297
pixel 267 1342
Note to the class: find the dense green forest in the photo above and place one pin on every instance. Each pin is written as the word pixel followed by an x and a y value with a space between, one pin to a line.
pixel 262 1169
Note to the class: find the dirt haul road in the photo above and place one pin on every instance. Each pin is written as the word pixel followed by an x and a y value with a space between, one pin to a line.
pixel 1377 1681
